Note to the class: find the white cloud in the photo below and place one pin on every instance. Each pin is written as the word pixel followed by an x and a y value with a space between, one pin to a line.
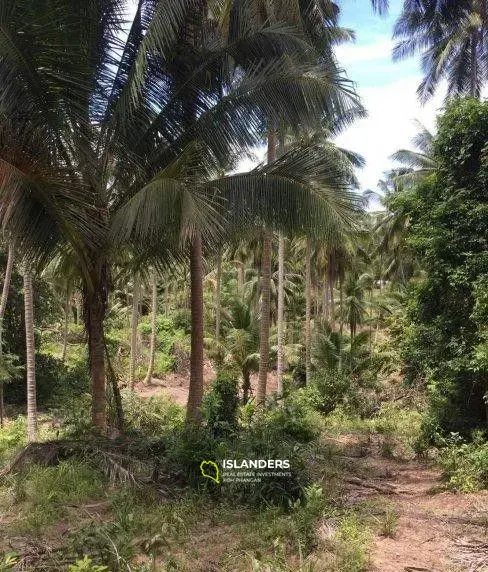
pixel 392 109
pixel 380 49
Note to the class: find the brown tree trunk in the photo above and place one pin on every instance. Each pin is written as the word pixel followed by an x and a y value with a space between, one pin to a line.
pixel 341 304
pixel 217 296
pixel 473 88
pixel 154 314
pixel 94 315
pixel 308 317
pixel 281 311
pixel 246 385
pixel 265 293
pixel 195 393
pixel 30 358
pixel 67 310
pixel 3 306
pixel 136 294
pixel 265 318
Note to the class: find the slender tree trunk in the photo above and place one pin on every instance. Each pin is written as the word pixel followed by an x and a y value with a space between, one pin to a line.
pixel 473 88
pixel 30 358
pixel 308 311
pixel 134 322
pixel 332 304
pixel 341 304
pixel 67 310
pixel 154 314
pixel 3 307
pixel 217 297
pixel 166 299
pixel 265 318
pixel 265 293
pixel 94 315
pixel 281 311
pixel 195 393
pixel 246 385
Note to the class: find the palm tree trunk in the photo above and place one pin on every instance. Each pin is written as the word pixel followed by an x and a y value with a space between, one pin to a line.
pixel 308 308
pixel 67 310
pixel 217 297
pixel 3 306
pixel 30 358
pixel 281 308
pixel 473 88
pixel 265 318
pixel 154 314
pixel 246 385
pixel 195 393
pixel 94 313
pixel 265 293
pixel 341 304
pixel 332 304
pixel 136 294
pixel 166 299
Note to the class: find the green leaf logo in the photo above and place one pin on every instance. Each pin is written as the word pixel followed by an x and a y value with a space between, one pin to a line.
pixel 210 470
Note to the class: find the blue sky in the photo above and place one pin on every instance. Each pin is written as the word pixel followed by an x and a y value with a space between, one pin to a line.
pixel 387 90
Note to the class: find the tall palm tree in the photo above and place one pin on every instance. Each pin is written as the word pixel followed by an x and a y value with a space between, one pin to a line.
pixel 112 154
pixel 30 357
pixel 134 323
pixel 154 315
pixel 452 38
pixel 3 306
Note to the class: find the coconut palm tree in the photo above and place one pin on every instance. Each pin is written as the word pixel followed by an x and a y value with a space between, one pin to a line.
pixel 452 38
pixel 109 127
pixel 154 315
pixel 30 357
pixel 134 323
pixel 418 163
pixel 3 305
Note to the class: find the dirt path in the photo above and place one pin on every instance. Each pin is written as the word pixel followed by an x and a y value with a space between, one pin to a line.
pixel 436 531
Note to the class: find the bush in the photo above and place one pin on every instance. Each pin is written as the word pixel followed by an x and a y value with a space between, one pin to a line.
pixel 12 437
pixel 221 404
pixel 153 416
pixel 296 418
pixel 465 464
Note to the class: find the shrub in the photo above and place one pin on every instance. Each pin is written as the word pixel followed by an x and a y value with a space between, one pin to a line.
pixel 465 464
pixel 221 404
pixel 152 416
pixel 296 418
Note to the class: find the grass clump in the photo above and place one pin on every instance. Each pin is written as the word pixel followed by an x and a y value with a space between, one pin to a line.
pixel 42 494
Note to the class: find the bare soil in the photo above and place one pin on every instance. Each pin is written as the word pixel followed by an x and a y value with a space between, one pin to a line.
pixel 175 385
pixel 437 530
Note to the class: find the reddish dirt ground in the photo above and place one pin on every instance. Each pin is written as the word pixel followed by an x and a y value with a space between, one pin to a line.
pixel 437 531
pixel 175 385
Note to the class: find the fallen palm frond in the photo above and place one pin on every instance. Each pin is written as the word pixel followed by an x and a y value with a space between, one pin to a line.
pixel 135 461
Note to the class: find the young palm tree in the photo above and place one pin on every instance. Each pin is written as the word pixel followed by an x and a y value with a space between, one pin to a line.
pixel 452 38
pixel 418 163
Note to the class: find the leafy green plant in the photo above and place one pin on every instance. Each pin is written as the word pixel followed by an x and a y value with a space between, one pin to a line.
pixel 221 404
pixel 86 565
pixel 465 464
